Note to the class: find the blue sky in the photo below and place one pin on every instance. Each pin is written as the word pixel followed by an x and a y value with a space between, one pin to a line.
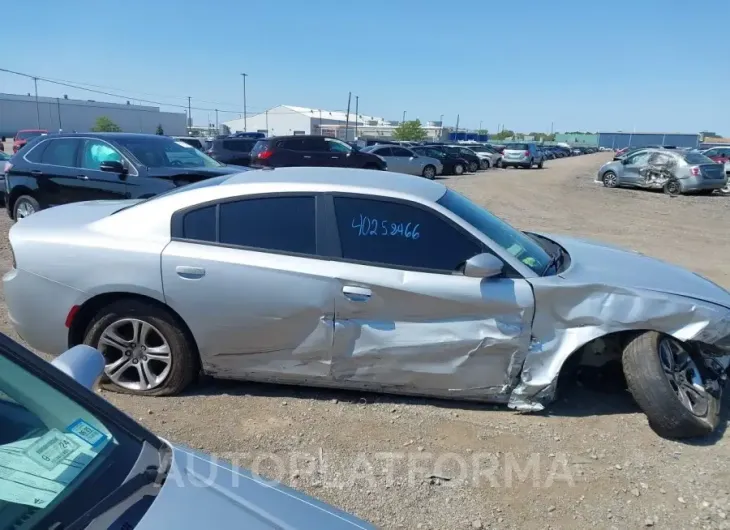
pixel 614 65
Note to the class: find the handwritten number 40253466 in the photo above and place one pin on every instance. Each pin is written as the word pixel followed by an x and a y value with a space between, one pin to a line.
pixel 380 227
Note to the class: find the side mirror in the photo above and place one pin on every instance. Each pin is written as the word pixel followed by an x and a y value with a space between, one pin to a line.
pixel 112 166
pixel 483 265
pixel 81 363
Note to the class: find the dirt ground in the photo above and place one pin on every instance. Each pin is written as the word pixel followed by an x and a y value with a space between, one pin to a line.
pixel 590 461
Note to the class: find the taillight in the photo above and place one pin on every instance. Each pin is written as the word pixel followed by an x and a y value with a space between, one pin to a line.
pixel 695 171
pixel 527 154
pixel 265 154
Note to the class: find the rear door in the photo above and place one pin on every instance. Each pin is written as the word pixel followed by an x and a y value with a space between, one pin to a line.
pixel 96 184
pixel 405 318
pixel 237 151
pixel 338 153
pixel 56 174
pixel 246 276
pixel 301 151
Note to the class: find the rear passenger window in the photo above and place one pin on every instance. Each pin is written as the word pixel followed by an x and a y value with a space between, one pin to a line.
pixel 283 224
pixel 400 235
pixel 61 152
pixel 36 153
pixel 199 224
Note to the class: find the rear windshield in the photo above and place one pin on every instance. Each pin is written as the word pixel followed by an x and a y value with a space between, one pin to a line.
pixel 517 147
pixel 698 158
pixel 241 146
pixel 259 147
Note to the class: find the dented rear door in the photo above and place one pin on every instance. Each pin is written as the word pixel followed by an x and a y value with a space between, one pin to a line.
pixel 406 319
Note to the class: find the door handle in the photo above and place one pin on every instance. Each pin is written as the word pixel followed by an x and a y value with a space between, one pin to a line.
pixel 82 177
pixel 36 173
pixel 190 273
pixel 306 156
pixel 357 294
pixel 336 157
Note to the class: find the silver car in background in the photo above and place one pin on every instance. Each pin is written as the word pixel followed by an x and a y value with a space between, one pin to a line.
pixel 403 160
pixel 365 280
pixel 674 171
pixel 525 155
pixel 488 157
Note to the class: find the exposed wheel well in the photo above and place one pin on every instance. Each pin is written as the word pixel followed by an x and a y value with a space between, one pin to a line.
pixel 86 313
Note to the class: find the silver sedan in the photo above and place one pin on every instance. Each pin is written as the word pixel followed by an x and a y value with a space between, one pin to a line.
pixel 403 160
pixel 364 280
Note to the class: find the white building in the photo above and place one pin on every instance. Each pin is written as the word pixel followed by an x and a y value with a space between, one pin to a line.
pixel 288 120
pixel 24 112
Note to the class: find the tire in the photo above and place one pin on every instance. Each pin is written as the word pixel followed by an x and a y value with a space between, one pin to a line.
pixel 484 164
pixel 658 394
pixel 458 169
pixel 499 163
pixel 610 180
pixel 429 172
pixel 183 363
pixel 473 167
pixel 726 189
pixel 673 188
pixel 24 206
pixel 540 165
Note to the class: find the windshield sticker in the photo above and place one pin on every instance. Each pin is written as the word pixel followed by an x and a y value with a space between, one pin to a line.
pixel 183 144
pixel 366 226
pixel 86 432
pixel 35 470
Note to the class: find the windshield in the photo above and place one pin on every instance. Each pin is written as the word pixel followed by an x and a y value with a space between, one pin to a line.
pixel 25 135
pixel 698 158
pixel 520 245
pixel 166 153
pixel 49 445
pixel 517 147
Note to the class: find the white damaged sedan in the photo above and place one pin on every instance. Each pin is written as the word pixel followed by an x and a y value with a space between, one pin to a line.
pixel 361 280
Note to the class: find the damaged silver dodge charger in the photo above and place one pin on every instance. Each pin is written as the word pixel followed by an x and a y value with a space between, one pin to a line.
pixel 363 280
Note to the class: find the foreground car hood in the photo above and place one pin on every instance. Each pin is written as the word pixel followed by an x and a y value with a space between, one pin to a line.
pixel 204 493
pixel 594 262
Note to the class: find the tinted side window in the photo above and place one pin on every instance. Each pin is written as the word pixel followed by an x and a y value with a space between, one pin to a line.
pixel 400 235
pixel 200 224
pixel 383 151
pixel 61 152
pixel 399 151
pixel 272 223
pixel 240 146
pixel 36 153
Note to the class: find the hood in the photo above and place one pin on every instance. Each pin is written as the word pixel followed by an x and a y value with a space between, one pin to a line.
pixel 204 493
pixel 593 262
pixel 167 172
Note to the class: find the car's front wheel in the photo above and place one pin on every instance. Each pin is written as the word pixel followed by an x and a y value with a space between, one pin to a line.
pixel 146 349
pixel 473 166
pixel 610 180
pixel 669 382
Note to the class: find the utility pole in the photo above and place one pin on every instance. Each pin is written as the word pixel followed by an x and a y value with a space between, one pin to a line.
pixel 347 118
pixel 37 106
pixel 245 122
pixel 404 117
pixel 190 116
pixel 357 116
pixel 58 106
pixel 457 125
pixel 480 125
pixel 216 121
pixel 267 123
pixel 441 128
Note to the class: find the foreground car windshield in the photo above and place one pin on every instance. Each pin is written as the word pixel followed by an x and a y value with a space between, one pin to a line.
pixel 167 153
pixel 50 447
pixel 520 245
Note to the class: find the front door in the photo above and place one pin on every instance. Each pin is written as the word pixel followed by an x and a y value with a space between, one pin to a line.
pixel 633 164
pixel 258 302
pixel 407 320
pixel 386 152
pixel 338 153
pixel 95 183
pixel 406 163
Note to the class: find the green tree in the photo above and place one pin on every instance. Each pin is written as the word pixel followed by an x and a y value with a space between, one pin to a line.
pixel 410 131
pixel 504 133
pixel 483 132
pixel 160 131
pixel 104 124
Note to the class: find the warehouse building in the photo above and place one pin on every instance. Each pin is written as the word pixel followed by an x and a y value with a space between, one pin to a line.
pixel 25 112
pixel 289 120
pixel 619 140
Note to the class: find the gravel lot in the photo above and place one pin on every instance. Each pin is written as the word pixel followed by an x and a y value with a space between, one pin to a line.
pixel 418 463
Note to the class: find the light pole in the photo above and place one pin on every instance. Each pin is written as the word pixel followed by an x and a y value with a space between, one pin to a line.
pixel 441 129
pixel 37 106
pixel 404 117
pixel 245 124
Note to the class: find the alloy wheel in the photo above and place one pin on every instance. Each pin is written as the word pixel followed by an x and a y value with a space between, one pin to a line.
pixel 24 209
pixel 610 180
pixel 137 355
pixel 684 377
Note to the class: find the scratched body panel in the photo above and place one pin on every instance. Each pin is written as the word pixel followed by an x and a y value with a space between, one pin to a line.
pixel 268 314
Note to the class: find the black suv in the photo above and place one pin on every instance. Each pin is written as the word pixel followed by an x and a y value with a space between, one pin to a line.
pixel 63 168
pixel 232 150
pixel 301 150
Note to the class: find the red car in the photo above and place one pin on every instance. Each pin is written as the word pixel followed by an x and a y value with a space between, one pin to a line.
pixel 719 154
pixel 22 137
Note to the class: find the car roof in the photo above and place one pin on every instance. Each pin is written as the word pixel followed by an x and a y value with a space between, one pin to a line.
pixel 356 180
pixel 111 136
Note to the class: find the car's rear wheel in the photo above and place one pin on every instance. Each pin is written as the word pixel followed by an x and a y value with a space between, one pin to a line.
pixel 666 380
pixel 25 206
pixel 146 351
pixel 673 187
pixel 610 180
pixel 473 167
pixel 429 172
pixel 484 164
pixel 459 169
